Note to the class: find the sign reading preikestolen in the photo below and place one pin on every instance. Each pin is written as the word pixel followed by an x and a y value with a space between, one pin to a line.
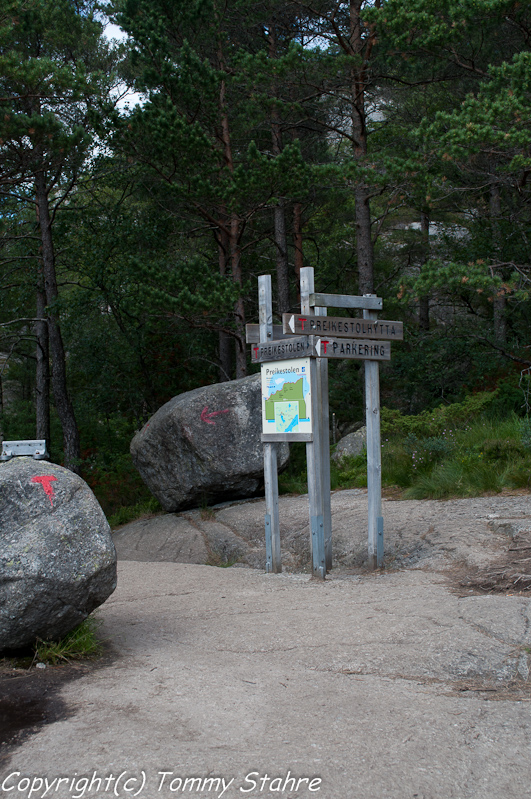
pixel 300 347
pixel 341 327
pixel 353 348
pixel 286 400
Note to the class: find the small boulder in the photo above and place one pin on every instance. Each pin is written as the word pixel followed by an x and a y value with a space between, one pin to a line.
pixel 57 558
pixel 204 446
pixel 351 445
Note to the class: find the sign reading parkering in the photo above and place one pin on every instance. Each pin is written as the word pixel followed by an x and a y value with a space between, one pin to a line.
pixel 364 350
pixel 342 327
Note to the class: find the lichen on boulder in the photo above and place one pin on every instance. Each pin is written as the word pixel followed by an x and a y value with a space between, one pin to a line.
pixel 57 558
pixel 204 446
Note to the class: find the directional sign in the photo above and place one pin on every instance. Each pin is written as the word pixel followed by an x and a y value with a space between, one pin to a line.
pixel 340 327
pixel 359 350
pixel 300 347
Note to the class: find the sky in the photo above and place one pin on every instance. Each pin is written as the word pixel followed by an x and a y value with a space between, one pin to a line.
pixel 127 99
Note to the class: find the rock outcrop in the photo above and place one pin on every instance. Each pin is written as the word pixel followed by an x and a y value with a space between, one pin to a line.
pixel 204 446
pixel 57 558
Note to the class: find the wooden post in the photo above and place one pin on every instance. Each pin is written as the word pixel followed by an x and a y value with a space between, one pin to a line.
pixel 324 421
pixel 314 452
pixel 374 458
pixel 272 524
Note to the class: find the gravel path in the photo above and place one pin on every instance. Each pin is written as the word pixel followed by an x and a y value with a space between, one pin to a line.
pixel 401 684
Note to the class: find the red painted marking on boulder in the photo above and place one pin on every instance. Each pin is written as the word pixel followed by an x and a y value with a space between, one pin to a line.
pixel 45 480
pixel 207 417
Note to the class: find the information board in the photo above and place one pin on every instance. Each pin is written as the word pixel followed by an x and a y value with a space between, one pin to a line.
pixel 286 399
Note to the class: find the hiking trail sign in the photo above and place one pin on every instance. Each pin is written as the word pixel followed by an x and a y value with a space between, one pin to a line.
pixel 287 400
pixel 297 324
pixel 294 361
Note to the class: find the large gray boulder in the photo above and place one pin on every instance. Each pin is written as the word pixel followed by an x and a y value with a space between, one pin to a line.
pixel 351 445
pixel 204 446
pixel 57 558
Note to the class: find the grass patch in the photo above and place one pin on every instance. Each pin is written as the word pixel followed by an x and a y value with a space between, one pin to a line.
pixel 81 643
pixel 129 513
pixel 438 456
pixel 478 457
pixel 457 450
pixel 350 472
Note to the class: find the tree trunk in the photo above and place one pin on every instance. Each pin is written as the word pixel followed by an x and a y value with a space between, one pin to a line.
pixel 63 404
pixel 499 301
pixel 424 301
pixel 360 52
pixel 364 248
pixel 234 243
pixel 225 343
pixel 279 211
pixel 282 259
pixel 42 376
pixel 297 241
pixel 239 310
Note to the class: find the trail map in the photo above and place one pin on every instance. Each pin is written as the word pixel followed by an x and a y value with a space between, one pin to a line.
pixel 286 396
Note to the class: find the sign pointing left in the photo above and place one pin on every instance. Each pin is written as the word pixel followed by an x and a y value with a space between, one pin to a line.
pixel 207 417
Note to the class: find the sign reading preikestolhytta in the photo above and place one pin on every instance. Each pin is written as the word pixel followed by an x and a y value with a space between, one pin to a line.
pixel 337 326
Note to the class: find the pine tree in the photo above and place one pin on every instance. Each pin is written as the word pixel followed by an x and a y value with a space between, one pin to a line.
pixel 52 78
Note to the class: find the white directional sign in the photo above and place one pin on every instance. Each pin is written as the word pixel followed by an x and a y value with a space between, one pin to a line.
pixel 337 326
pixel 355 348
pixel 300 347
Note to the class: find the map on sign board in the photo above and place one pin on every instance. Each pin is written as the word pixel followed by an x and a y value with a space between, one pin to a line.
pixel 286 397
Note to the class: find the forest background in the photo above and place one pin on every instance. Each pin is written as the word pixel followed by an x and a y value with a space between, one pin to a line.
pixel 385 143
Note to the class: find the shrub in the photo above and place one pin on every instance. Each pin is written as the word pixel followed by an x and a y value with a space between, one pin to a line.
pixel 435 422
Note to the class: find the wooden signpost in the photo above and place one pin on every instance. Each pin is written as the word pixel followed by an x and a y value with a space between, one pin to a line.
pixel 295 404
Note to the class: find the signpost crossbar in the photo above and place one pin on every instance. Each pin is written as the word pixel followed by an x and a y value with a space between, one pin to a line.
pixel 371 303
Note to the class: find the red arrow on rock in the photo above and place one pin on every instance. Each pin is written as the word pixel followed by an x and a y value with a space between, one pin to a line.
pixel 207 417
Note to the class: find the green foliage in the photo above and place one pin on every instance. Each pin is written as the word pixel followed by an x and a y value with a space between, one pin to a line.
pixel 465 477
pixel 83 642
pixel 470 454
pixel 293 479
pixel 433 423
pixel 115 482
pixel 129 513
pixel 350 472
pixel 525 433
pixel 80 643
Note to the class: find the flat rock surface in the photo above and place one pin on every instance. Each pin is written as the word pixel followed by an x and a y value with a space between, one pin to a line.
pixel 231 682
pixel 427 533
